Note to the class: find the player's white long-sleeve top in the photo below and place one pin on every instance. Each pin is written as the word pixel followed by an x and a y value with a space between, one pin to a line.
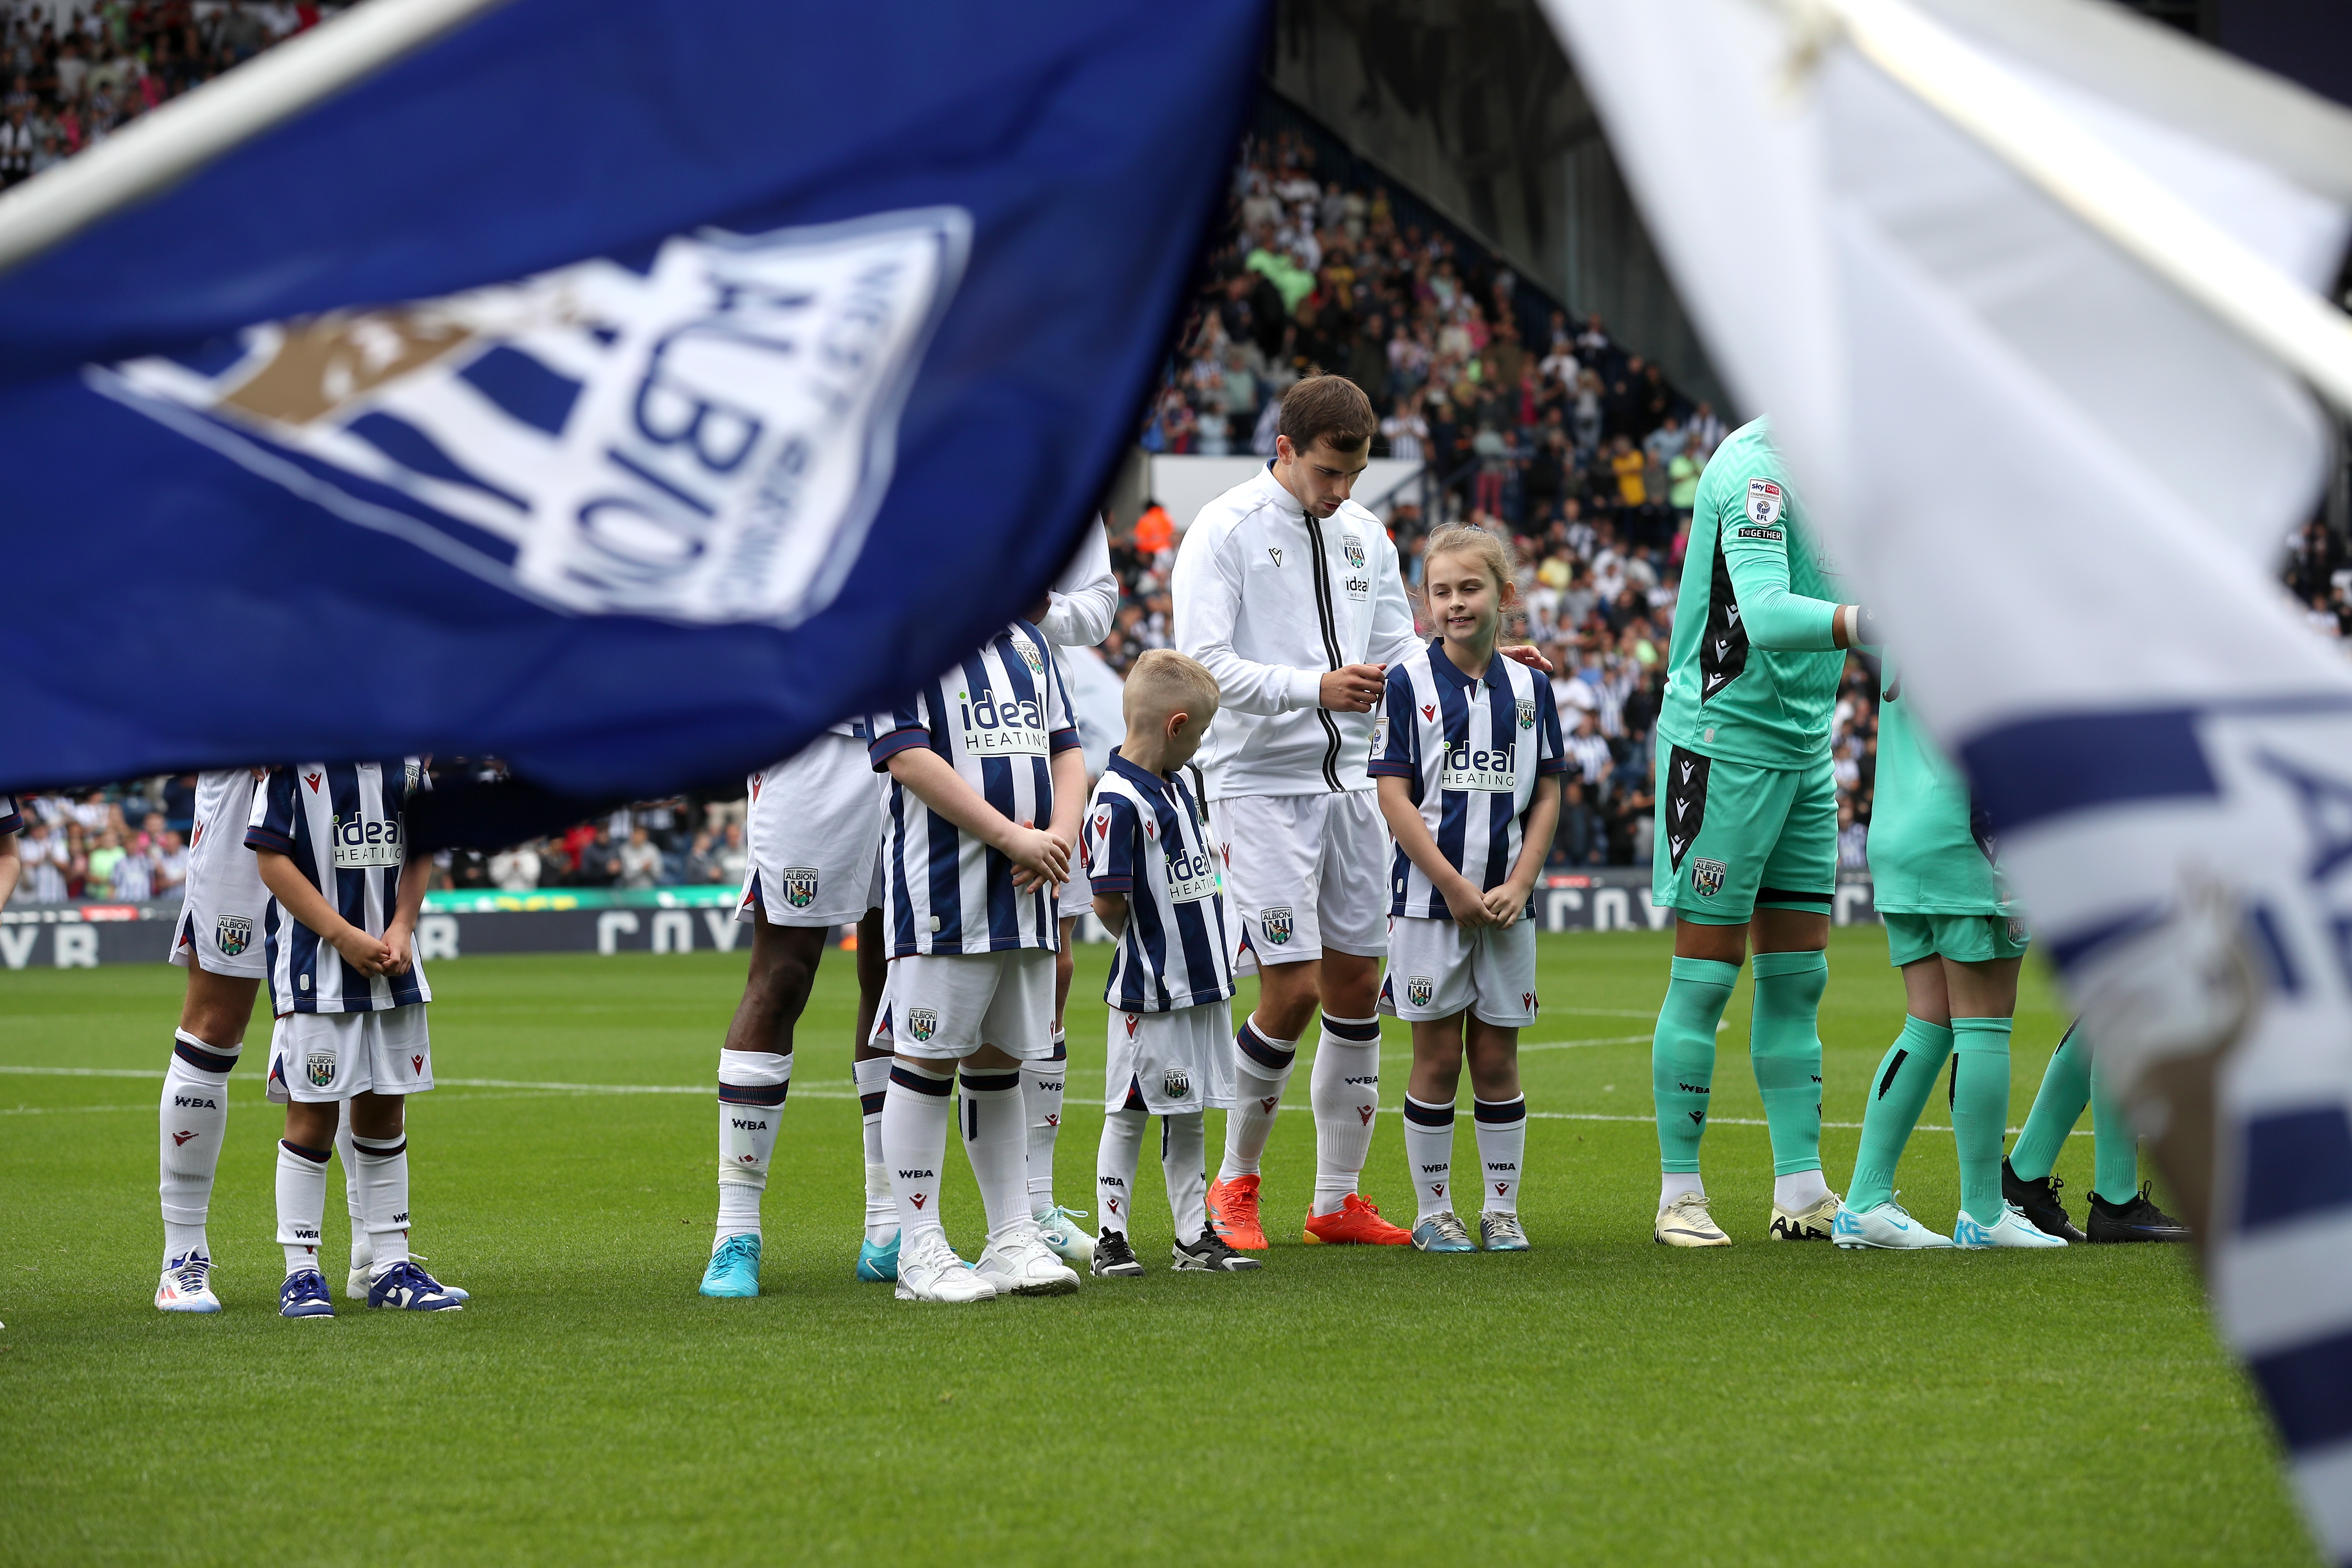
pixel 1084 598
pixel 1271 600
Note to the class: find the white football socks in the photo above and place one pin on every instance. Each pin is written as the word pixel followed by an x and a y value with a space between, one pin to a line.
pixel 1802 1190
pixel 993 1141
pixel 379 1168
pixel 362 1253
pixel 301 1203
pixel 872 1075
pixel 1502 1150
pixel 1262 1067
pixel 1115 1162
pixel 1183 1164
pixel 1673 1185
pixel 915 1142
pixel 1428 1155
pixel 194 1119
pixel 752 1090
pixel 1346 1094
pixel 1041 1107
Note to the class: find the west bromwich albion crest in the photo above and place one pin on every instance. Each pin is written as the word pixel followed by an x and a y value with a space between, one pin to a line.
pixel 1526 706
pixel 1353 548
pixel 799 886
pixel 922 1022
pixel 1706 876
pixel 705 439
pixel 1419 990
pixel 320 1067
pixel 1030 654
pixel 1276 923
pixel 233 933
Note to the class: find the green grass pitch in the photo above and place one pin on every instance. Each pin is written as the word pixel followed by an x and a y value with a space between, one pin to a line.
pixel 1599 1399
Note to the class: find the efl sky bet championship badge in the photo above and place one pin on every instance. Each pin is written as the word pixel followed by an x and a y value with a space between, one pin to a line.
pixel 705 440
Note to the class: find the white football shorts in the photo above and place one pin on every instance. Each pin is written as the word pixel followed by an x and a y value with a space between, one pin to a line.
pixel 1305 872
pixel 944 1006
pixel 220 923
pixel 1171 1063
pixel 1078 893
pixel 1436 969
pixel 813 833
pixel 321 1057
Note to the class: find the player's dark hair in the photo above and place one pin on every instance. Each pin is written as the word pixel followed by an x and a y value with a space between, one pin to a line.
pixel 1329 408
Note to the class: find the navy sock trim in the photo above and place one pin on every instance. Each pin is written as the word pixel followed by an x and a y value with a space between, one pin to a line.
pixel 316 1156
pixel 754 1094
pixel 991 1081
pixel 871 1104
pixel 922 1083
pixel 1355 1034
pixel 1422 1115
pixel 1273 1059
pixel 202 1060
pixel 1499 1110
pixel 366 1152
pixel 1061 1051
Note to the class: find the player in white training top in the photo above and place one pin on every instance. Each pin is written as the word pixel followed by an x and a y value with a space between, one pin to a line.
pixel 1290 593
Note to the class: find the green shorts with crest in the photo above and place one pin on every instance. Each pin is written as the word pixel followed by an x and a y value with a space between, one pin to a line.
pixel 1730 837
pixel 1963 938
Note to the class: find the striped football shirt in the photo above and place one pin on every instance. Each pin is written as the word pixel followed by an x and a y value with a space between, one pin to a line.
pixel 1474 749
pixel 999 716
pixel 340 823
pixel 1144 837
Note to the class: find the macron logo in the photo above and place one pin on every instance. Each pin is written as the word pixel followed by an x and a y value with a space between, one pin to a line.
pixel 178 1139
pixel 312 780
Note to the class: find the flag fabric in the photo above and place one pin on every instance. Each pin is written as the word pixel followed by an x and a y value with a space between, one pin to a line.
pixel 2063 487
pixel 627 388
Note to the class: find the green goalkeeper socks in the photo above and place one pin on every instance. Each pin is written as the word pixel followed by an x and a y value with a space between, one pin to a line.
pixel 2115 1159
pixel 2057 1106
pixel 1979 1110
pixel 1898 1092
pixel 1681 1056
pixel 1784 1048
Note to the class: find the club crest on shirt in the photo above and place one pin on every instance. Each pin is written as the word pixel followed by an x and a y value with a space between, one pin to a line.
pixel 1031 655
pixel 1707 878
pixel 1276 923
pixel 1353 548
pixel 233 933
pixel 320 1068
pixel 704 434
pixel 1527 712
pixel 799 886
pixel 1176 1084
pixel 1419 989
pixel 922 1023
pixel 1765 500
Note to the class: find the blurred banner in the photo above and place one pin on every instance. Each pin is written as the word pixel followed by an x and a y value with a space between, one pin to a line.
pixel 627 388
pixel 2065 487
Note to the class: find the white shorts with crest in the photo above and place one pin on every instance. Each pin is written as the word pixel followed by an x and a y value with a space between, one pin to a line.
pixel 220 923
pixel 813 833
pixel 1305 872
pixel 1436 969
pixel 1171 1063
pixel 944 1006
pixel 321 1057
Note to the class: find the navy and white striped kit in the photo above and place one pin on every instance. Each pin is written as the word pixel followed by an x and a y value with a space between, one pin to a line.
pixel 341 825
pixel 1473 749
pixel 1146 836
pixel 999 716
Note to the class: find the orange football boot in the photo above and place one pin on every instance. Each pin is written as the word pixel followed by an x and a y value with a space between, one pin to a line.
pixel 1356 1221
pixel 1233 1213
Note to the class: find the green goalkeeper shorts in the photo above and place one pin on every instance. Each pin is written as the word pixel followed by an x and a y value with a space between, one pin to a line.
pixel 1730 837
pixel 1963 938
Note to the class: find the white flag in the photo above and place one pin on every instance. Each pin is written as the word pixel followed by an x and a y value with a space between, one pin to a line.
pixel 2064 485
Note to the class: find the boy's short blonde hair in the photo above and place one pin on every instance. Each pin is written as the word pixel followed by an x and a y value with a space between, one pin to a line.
pixel 1164 681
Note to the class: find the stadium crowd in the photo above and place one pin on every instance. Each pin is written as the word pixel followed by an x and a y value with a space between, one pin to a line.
pixel 77 72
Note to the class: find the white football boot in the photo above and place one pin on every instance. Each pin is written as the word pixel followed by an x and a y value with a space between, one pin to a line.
pixel 1686 1223
pixel 1019 1263
pixel 1884 1225
pixel 1071 1242
pixel 2011 1229
pixel 187 1285
pixel 930 1270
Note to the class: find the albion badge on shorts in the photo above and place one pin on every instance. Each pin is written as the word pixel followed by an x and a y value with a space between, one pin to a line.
pixel 2017 930
pixel 1276 923
pixel 320 1067
pixel 235 933
pixel 1707 878
pixel 1176 1084
pixel 922 1022
pixel 1419 990
pixel 799 886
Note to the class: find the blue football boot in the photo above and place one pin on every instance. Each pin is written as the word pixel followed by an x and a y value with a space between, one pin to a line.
pixel 1443 1233
pixel 878 1265
pixel 304 1295
pixel 406 1288
pixel 734 1268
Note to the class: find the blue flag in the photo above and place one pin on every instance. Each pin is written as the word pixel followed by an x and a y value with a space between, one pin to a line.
pixel 627 388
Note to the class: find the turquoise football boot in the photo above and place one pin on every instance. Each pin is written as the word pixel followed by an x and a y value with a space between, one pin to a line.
pixel 734 1268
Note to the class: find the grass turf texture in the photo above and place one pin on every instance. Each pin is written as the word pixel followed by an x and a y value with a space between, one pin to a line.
pixel 1599 1396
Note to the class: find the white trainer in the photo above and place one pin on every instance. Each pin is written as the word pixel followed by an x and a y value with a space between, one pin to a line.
pixel 1686 1223
pixel 930 1270
pixel 1884 1225
pixel 1019 1263
pixel 1071 1242
pixel 2011 1229
pixel 187 1285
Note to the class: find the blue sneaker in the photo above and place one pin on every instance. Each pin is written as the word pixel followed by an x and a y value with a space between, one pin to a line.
pixel 355 1285
pixel 304 1295
pixel 877 1265
pixel 2010 1230
pixel 409 1288
pixel 1443 1233
pixel 734 1268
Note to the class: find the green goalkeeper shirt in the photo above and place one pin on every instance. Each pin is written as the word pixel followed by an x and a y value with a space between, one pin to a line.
pixel 1755 668
pixel 1924 855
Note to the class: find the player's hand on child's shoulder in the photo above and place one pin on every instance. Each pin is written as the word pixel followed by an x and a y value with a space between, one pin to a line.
pixel 1528 655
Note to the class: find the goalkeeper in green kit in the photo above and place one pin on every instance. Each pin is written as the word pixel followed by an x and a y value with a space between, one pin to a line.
pixel 1747 829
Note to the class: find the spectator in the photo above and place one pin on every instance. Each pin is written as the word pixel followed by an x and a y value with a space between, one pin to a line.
pixel 106 853
pixel 600 861
pixel 516 870
pixel 640 860
pixel 1854 843
pixel 170 859
pixel 1587 752
pixel 46 859
pixel 730 857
